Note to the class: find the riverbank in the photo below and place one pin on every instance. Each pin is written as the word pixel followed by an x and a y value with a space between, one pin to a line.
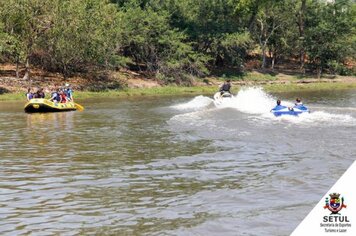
pixel 196 90
pixel 126 83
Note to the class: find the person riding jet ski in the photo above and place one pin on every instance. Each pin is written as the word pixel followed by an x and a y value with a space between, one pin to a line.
pixel 224 89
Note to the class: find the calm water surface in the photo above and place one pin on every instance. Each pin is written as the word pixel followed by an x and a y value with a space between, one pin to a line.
pixel 172 165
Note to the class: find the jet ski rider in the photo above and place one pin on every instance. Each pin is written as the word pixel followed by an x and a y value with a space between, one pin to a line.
pixel 225 87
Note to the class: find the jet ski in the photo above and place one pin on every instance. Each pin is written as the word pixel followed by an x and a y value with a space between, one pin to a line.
pixel 293 111
pixel 220 97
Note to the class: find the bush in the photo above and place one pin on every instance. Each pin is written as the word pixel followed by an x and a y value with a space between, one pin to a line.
pixel 339 68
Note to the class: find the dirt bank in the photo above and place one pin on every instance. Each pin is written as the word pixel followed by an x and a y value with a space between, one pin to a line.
pixel 130 79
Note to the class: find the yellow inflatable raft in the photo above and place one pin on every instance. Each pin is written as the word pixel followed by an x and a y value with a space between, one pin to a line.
pixel 44 105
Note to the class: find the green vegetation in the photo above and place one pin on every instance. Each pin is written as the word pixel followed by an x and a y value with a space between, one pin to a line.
pixel 177 39
pixel 252 77
pixel 156 91
pixel 12 97
pixel 159 91
pixel 308 87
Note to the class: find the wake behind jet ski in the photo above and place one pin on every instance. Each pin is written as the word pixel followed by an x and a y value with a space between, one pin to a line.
pixel 219 97
pixel 296 110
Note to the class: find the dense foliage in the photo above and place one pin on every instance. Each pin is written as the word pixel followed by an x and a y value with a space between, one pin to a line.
pixel 175 39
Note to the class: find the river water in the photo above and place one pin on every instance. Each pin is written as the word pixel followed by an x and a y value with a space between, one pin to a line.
pixel 172 165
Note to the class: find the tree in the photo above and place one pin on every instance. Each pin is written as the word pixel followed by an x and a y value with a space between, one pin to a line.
pixel 83 33
pixel 284 40
pixel 327 34
pixel 301 26
pixel 26 22
pixel 176 38
pixel 156 47
pixel 213 28
pixel 270 19
pixel 10 48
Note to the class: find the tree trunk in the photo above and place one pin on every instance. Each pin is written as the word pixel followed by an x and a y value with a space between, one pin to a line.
pixel 27 69
pixel 263 56
pixel 17 68
pixel 252 19
pixel 301 23
pixel 64 71
pixel 272 53
pixel 273 61
pixel 319 71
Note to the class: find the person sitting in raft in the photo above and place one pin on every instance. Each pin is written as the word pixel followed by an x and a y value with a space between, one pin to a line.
pixel 63 96
pixel 298 102
pixel 29 94
pixel 69 92
pixel 39 93
pixel 55 96
pixel 278 106
pixel 225 87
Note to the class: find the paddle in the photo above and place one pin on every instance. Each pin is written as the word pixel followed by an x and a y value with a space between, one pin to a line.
pixel 79 107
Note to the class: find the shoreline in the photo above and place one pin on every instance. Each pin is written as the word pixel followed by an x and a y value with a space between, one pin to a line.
pixel 274 87
pixel 126 83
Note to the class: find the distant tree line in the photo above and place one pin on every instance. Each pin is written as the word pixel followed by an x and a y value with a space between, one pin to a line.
pixel 175 39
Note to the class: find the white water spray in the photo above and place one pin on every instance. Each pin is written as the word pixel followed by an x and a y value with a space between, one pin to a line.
pixel 252 100
pixel 196 103
pixel 255 101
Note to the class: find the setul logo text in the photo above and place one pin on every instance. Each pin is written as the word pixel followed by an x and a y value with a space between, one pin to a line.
pixel 335 219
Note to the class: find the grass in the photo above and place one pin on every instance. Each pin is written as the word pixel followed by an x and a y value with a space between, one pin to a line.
pixel 253 77
pixel 156 91
pixel 12 96
pixel 292 87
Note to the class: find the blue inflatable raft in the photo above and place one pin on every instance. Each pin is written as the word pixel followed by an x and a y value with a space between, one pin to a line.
pixel 293 111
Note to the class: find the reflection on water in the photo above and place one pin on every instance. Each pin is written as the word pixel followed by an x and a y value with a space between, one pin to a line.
pixel 46 126
pixel 176 166
pixel 60 120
